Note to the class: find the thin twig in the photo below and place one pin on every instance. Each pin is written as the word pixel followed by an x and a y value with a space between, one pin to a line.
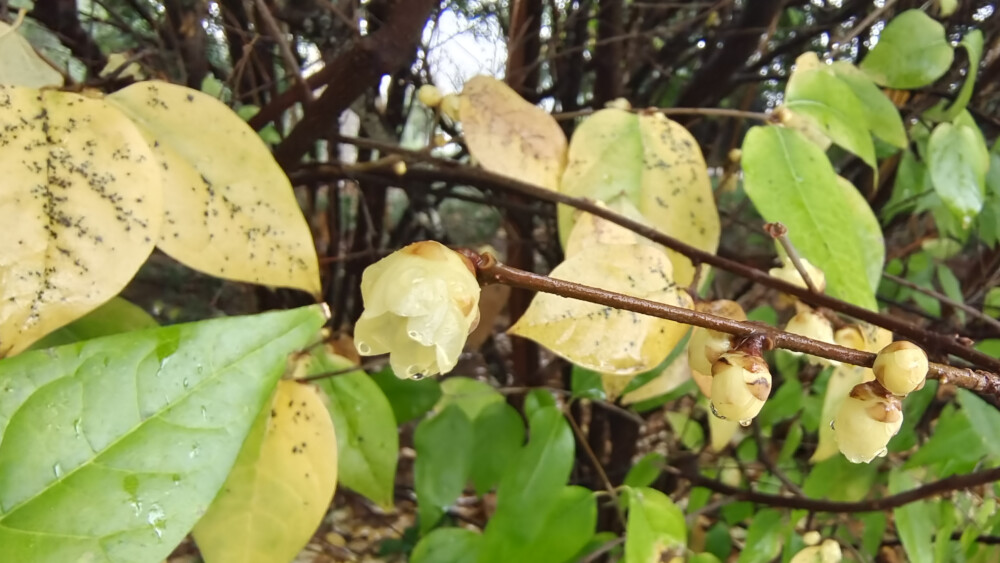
pixel 972 311
pixel 609 488
pixel 491 271
pixel 953 483
pixel 291 65
pixel 450 171
pixel 779 232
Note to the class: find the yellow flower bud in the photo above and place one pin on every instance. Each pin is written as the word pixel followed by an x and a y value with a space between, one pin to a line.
pixel 429 95
pixel 450 107
pixel 867 419
pixel 813 325
pixel 790 274
pixel 901 367
pixel 740 385
pixel 421 303
pixel 706 346
pixel 826 552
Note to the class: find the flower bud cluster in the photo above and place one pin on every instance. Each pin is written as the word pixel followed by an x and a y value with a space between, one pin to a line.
pixel 873 412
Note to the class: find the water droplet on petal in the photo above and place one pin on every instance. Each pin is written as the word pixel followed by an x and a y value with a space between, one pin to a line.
pixel 746 422
pixel 832 426
pixel 57 470
pixel 78 427
pixel 882 453
pixel 715 412
pixel 364 349
pixel 413 334
pixel 204 413
pixel 195 450
pixel 186 383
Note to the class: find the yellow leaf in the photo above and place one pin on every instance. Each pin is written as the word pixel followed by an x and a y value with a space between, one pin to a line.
pixel 230 210
pixel 20 65
pixel 601 338
pixel 78 213
pixel 656 165
pixel 672 377
pixel 510 136
pixel 280 487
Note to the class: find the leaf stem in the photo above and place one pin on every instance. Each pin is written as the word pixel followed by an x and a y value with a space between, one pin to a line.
pixel 779 232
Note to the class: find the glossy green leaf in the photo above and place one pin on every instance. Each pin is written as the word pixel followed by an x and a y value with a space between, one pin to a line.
pixel 655 524
pixel 530 489
pixel 830 103
pixel 838 479
pixel 646 470
pixel 470 394
pixel 912 51
pixel 687 431
pixel 498 434
pixel 914 521
pixel 873 524
pixel 764 537
pixel 586 384
pixel 868 230
pixel 568 529
pixel 537 399
pixel 113 448
pixel 718 541
pixel 114 317
pixel 957 172
pixel 443 443
pixel 448 545
pixel 409 398
pixel 985 420
pixel 973 45
pixel 791 180
pixel 367 440
pixel 881 115
pixel 955 446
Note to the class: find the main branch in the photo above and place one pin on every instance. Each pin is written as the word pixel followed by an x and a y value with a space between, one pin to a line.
pixel 489 270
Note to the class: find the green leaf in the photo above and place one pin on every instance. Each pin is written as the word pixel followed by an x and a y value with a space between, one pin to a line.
pixel 448 545
pixel 764 537
pixel 955 445
pixel 646 470
pixel 537 399
pixel 531 487
pixel 20 65
pixel 957 174
pixel 113 448
pixel 655 524
pixel 569 527
pixel 410 398
pixel 367 440
pixel 873 524
pixel 914 521
pixel 790 180
pixel 973 44
pixel 867 229
pixel 829 102
pixel 443 443
pixel 912 52
pixel 470 394
pixel 114 317
pixel 498 434
pixel 882 117
pixel 718 541
pixel 838 479
pixel 586 384
pixel 690 433
pixel 985 420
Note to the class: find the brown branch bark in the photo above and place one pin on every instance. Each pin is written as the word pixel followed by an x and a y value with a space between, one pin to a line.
pixel 353 72
pixel 450 171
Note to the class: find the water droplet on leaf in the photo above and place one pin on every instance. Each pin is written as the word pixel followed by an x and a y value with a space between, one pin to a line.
pixel 746 422
pixel 57 470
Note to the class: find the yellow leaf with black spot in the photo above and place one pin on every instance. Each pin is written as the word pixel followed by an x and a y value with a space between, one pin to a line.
pixel 600 338
pixel 79 206
pixel 280 487
pixel 230 210
pixel 20 65
pixel 510 136
pixel 655 164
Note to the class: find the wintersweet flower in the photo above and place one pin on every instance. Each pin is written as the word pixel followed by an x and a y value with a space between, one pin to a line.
pixel 421 303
